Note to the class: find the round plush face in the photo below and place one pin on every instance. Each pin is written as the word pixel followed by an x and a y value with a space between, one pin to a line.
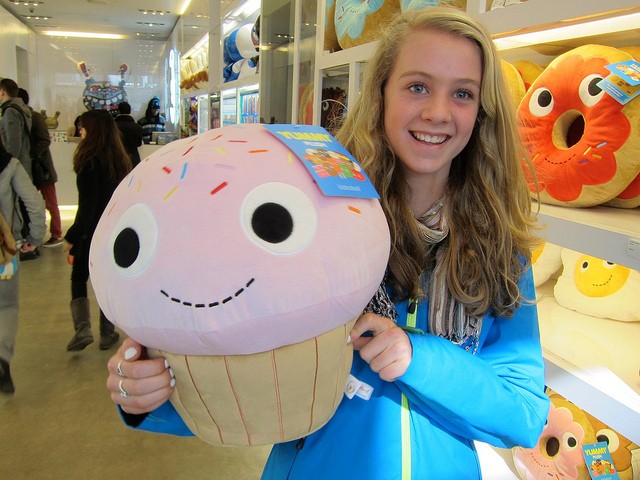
pixel 599 278
pixel 584 144
pixel 558 452
pixel 223 244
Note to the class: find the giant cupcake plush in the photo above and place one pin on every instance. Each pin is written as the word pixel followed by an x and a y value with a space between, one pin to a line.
pixel 244 255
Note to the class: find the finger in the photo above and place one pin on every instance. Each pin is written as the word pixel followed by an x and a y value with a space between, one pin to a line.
pixel 143 403
pixel 369 322
pixel 132 387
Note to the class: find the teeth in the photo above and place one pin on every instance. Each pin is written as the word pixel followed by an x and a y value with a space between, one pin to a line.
pixel 437 139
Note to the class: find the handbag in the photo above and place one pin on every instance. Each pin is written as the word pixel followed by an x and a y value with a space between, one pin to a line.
pixel 8 260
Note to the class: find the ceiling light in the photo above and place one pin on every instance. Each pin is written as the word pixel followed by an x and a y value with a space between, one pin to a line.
pixel 568 32
pixel 36 17
pixel 109 36
pixel 154 12
pixel 26 4
pixel 184 7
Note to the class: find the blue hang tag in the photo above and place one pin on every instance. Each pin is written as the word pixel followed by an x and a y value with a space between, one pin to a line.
pixel 332 167
pixel 628 71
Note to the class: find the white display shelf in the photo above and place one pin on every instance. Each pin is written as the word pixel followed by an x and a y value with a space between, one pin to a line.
pixel 594 362
pixel 612 234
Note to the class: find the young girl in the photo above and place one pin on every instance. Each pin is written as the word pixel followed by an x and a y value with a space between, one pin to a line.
pixel 462 360
pixel 100 163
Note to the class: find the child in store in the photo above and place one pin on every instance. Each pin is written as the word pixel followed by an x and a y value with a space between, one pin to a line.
pixel 462 361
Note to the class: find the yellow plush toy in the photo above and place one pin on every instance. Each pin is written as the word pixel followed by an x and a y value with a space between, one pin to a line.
pixel 546 262
pixel 598 288
pixel 514 82
pixel 529 71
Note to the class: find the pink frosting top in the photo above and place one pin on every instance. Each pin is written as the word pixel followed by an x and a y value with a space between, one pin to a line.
pixel 222 244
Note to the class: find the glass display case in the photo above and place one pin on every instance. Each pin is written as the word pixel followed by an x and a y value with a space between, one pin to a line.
pixel 249 107
pixel 229 107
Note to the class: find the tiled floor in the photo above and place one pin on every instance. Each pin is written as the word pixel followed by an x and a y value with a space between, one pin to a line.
pixel 61 423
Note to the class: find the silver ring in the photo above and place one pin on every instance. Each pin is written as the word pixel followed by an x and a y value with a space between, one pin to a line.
pixel 120 372
pixel 123 392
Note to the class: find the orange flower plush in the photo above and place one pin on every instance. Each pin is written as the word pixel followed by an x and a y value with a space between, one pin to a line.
pixel 584 145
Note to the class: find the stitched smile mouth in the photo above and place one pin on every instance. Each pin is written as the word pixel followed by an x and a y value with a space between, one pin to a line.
pixel 212 304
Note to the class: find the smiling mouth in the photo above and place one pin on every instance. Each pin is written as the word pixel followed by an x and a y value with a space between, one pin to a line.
pixel 434 139
pixel 210 304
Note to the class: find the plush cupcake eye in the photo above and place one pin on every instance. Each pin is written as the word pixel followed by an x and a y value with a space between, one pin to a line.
pixel 134 240
pixel 541 102
pixel 589 91
pixel 279 218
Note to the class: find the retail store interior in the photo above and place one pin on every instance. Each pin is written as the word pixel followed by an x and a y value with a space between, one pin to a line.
pixel 281 67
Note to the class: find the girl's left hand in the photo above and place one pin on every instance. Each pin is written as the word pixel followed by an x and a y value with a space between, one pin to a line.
pixel 388 351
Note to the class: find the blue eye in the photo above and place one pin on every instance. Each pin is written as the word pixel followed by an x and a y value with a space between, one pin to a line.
pixel 463 94
pixel 418 88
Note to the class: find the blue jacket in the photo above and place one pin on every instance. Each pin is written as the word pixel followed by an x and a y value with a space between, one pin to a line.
pixel 422 426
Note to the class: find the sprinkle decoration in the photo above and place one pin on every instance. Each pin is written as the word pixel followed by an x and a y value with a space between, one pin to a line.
pixel 216 137
pixel 354 209
pixel 258 151
pixel 166 169
pixel 184 170
pixel 188 150
pixel 218 188
pixel 171 192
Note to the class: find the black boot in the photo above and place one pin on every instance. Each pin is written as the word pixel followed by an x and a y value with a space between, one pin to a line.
pixel 81 324
pixel 108 335
pixel 6 383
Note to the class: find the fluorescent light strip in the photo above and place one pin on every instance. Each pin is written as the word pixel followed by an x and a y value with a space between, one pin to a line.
pixel 185 5
pixel 587 29
pixel 108 36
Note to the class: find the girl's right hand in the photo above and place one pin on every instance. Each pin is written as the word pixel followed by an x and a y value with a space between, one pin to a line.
pixel 138 385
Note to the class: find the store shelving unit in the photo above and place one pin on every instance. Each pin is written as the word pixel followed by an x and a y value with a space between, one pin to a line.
pixel 585 357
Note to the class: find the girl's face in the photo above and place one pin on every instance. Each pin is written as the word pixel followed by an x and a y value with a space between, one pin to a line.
pixel 431 102
pixel 83 132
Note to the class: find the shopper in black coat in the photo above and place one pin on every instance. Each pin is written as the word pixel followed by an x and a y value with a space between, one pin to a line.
pixel 43 171
pixel 131 132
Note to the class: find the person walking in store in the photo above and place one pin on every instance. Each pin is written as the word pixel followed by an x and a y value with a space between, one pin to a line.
pixel 100 163
pixel 15 135
pixel 14 184
pixel 462 361
pixel 131 132
pixel 152 120
pixel 43 171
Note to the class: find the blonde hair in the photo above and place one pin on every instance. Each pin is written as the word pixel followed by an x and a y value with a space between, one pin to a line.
pixel 487 204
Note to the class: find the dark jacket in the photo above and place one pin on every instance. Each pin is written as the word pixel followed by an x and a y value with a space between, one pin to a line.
pixel 40 153
pixel 94 192
pixel 15 126
pixel 131 136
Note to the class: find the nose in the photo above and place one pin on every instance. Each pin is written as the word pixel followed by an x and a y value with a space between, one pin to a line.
pixel 436 109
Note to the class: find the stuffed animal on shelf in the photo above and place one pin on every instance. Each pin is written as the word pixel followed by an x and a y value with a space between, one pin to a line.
pixel 529 71
pixel 559 450
pixel 596 287
pixel 514 82
pixel 584 144
pixel 358 22
pixel 558 453
pixel 546 262
pixel 221 253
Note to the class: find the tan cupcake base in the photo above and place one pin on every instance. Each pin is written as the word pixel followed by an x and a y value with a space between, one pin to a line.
pixel 264 398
